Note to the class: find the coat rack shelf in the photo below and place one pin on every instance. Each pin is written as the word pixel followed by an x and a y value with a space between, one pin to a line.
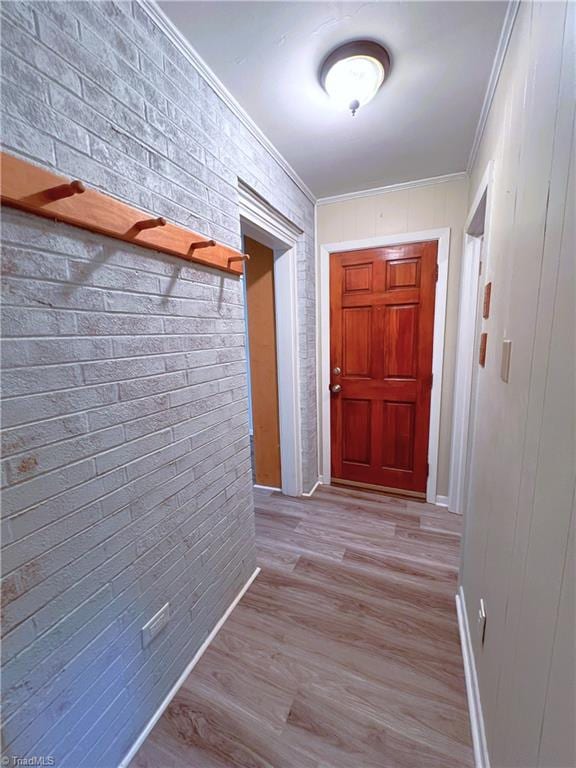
pixel 36 190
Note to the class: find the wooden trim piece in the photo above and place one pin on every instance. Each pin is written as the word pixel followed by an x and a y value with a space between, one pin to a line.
pixel 41 192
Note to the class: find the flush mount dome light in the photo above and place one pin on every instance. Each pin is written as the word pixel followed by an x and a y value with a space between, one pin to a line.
pixel 353 73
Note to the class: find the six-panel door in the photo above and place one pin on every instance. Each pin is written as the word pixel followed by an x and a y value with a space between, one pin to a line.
pixel 381 333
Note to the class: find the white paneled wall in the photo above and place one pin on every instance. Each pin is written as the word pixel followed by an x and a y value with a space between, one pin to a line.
pixel 517 546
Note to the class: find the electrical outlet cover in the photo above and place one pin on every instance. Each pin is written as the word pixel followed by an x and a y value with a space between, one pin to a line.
pixel 155 625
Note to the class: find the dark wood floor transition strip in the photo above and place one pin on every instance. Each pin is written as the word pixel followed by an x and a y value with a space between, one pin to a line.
pixel 344 653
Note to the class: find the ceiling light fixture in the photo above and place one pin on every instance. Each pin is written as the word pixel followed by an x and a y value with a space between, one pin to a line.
pixel 353 73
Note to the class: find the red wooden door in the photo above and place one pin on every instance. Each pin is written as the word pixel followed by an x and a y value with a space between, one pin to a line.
pixel 381 333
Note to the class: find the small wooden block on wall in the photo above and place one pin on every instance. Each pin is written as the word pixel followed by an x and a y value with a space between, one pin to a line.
pixel 487 296
pixel 41 192
pixel 482 355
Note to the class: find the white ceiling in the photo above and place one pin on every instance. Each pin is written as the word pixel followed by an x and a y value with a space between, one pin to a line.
pixel 421 124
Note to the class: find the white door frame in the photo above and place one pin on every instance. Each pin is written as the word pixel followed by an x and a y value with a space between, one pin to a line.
pixel 266 225
pixel 477 224
pixel 442 236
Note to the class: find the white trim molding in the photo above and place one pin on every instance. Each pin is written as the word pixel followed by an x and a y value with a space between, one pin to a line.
pixel 442 501
pixel 392 188
pixel 314 487
pixel 498 63
pixel 187 50
pixel 442 236
pixel 266 225
pixel 178 684
pixel 481 756
pixel 467 318
pixel 257 210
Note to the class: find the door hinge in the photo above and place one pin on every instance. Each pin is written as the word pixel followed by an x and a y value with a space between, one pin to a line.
pixel 427 469
pixel 436 273
pixel 431 380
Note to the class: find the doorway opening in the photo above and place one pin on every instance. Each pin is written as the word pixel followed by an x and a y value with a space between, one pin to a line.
pixel 474 264
pixel 271 240
pixel 262 364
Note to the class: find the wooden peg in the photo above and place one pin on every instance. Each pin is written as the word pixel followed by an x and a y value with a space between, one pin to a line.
pixel 201 244
pixel 57 193
pixel 150 223
pixel 240 257
pixel 77 187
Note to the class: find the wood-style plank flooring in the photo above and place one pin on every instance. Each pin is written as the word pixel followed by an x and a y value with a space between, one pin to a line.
pixel 344 653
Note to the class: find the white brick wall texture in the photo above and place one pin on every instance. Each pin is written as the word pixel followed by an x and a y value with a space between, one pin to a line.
pixel 126 463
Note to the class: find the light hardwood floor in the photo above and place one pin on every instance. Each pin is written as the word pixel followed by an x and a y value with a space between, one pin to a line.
pixel 344 653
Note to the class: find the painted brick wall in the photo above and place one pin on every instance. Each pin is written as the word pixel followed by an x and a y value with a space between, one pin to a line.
pixel 126 459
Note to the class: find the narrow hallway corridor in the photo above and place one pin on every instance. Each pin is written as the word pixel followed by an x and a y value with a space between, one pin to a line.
pixel 343 652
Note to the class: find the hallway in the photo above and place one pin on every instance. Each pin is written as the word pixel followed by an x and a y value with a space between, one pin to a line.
pixel 261 260
pixel 344 651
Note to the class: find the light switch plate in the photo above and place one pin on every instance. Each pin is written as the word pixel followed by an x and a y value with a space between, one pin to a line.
pixel 155 625
pixel 505 364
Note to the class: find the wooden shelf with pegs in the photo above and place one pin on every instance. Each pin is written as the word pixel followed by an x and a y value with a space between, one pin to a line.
pixel 36 190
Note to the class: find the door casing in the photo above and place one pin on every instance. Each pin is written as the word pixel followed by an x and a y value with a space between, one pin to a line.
pixel 477 223
pixel 442 236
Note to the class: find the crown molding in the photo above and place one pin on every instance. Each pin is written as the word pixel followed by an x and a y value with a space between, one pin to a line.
pixel 497 64
pixel 185 47
pixel 392 188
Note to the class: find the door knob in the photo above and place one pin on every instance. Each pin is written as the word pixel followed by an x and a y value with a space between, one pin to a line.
pixel 335 388
pixel 336 371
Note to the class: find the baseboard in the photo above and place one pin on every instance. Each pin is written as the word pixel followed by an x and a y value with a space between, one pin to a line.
pixel 279 490
pixel 174 690
pixel 442 501
pixel 310 493
pixel 481 756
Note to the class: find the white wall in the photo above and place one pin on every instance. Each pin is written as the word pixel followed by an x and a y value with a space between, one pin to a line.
pixel 517 550
pixel 408 210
